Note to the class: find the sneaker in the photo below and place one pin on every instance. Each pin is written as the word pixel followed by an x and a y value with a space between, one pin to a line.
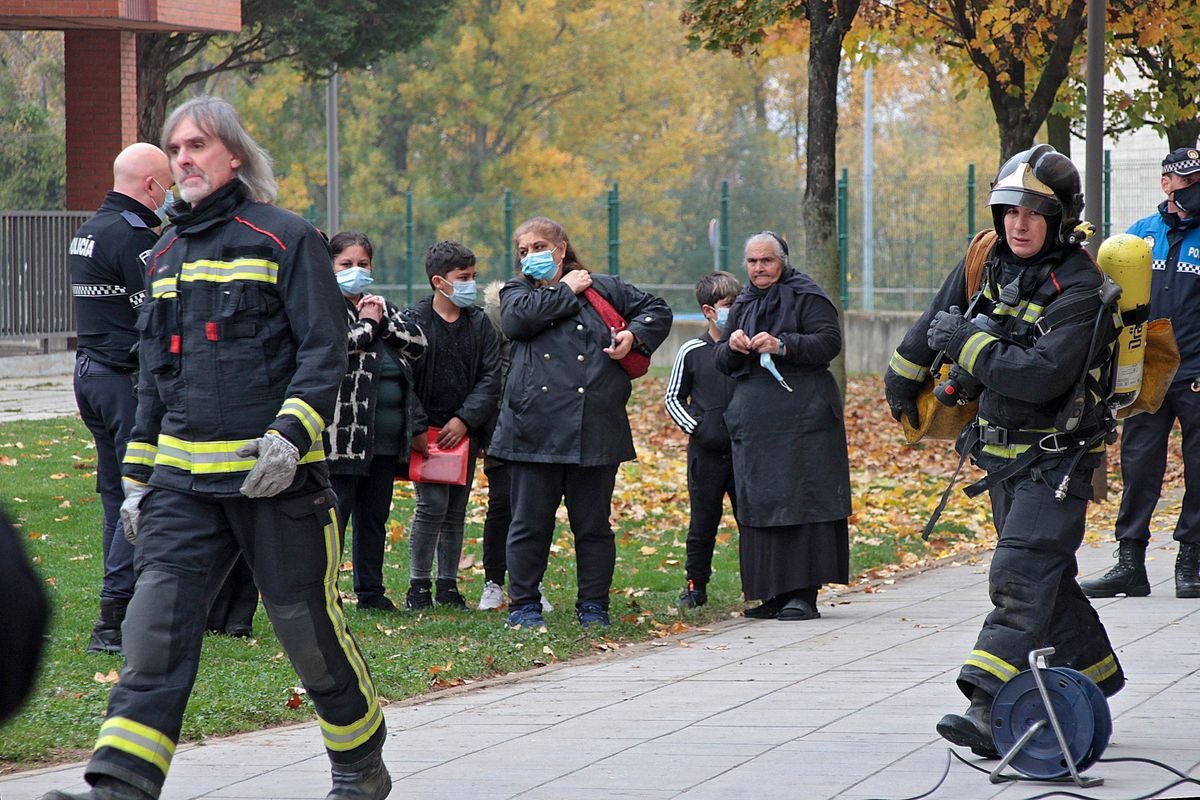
pixel 527 617
pixel 376 602
pixel 449 596
pixel 692 597
pixel 591 613
pixel 492 597
pixel 418 597
pixel 546 606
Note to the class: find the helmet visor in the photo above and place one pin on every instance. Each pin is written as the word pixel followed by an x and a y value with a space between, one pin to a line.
pixel 1014 196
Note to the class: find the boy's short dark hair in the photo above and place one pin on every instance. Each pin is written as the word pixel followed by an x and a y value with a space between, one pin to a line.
pixel 715 287
pixel 442 257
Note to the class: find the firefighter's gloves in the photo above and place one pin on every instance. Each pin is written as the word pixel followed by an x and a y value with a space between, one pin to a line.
pixel 901 394
pixel 275 467
pixel 130 507
pixel 943 328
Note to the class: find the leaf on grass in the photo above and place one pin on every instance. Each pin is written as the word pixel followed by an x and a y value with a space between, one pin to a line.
pixel 443 683
pixel 439 668
pixel 83 557
pixel 35 535
pixel 101 677
pixel 58 476
pixel 466 561
pixel 8 461
pixel 295 701
pixel 52 581
pixel 62 519
pixel 396 532
pixel 647 550
pixel 65 504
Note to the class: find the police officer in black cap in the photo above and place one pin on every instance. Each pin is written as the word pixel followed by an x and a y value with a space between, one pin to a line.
pixel 108 273
pixel 1173 233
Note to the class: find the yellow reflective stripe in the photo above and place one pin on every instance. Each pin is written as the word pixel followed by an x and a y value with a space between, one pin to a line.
pixel 971 350
pixel 342 738
pixel 239 269
pixel 1102 670
pixel 165 287
pixel 138 740
pixel 212 458
pixel 992 664
pixel 907 369
pixel 140 453
pixel 307 415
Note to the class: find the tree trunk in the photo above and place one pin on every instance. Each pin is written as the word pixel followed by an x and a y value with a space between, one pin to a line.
pixel 1184 133
pixel 154 54
pixel 1058 133
pixel 829 23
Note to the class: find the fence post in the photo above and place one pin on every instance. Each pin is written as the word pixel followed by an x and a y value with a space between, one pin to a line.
pixel 508 233
pixel 614 231
pixel 724 232
pixel 1107 193
pixel 408 244
pixel 970 201
pixel 843 235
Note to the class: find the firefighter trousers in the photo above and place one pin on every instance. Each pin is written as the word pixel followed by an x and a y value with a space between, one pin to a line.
pixel 186 546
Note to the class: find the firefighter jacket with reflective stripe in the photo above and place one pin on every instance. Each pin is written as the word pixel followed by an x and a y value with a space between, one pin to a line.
pixel 244 331
pixel 1175 281
pixel 1027 372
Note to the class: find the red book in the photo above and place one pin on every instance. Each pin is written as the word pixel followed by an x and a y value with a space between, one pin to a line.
pixel 440 466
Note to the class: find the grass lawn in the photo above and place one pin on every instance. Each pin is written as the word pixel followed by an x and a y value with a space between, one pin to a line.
pixel 47 474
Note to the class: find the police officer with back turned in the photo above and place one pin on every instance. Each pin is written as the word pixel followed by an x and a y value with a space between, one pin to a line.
pixel 241 352
pixel 108 271
pixel 1035 348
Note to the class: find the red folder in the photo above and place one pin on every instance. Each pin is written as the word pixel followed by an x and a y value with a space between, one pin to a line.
pixel 440 466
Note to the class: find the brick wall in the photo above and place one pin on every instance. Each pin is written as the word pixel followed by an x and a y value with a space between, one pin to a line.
pixel 161 15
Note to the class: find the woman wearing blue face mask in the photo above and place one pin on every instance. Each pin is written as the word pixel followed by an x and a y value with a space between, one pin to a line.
pixel 367 440
pixel 562 427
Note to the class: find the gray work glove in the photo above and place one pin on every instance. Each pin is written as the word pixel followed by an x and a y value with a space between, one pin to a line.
pixel 130 507
pixel 943 328
pixel 275 468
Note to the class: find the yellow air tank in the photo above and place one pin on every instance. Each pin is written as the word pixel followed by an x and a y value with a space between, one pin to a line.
pixel 1126 259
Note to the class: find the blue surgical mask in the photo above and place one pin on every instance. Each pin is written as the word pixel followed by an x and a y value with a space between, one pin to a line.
pixel 540 265
pixel 722 318
pixel 768 363
pixel 354 280
pixel 161 210
pixel 463 295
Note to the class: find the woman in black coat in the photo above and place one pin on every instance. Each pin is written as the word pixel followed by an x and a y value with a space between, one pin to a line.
pixel 562 426
pixel 789 439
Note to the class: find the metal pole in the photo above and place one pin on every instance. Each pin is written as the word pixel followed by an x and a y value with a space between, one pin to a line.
pixel 509 255
pixel 970 201
pixel 724 231
pixel 614 230
pixel 843 226
pixel 409 255
pixel 332 176
pixel 1107 193
pixel 1093 188
pixel 868 232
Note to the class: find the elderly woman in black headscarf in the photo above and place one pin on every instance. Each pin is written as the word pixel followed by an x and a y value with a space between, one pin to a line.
pixel 789 439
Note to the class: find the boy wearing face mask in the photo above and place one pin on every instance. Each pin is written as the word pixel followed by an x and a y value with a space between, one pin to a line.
pixel 696 397
pixel 457 381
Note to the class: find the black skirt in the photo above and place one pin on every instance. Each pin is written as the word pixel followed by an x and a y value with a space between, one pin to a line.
pixel 782 559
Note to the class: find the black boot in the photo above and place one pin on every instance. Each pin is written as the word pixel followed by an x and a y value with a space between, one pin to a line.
pixel 1187 570
pixel 106 788
pixel 448 594
pixel 694 596
pixel 106 635
pixel 363 780
pixel 419 595
pixel 973 728
pixel 1128 577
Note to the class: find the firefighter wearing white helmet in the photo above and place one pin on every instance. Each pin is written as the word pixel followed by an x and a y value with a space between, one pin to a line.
pixel 1173 233
pixel 1038 336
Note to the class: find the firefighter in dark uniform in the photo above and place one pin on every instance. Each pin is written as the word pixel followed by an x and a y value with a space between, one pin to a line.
pixel 108 259
pixel 1030 354
pixel 242 350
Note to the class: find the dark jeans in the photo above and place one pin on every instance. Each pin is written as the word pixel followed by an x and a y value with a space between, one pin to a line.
pixel 107 405
pixel 495 524
pixel 710 479
pixel 1144 462
pixel 537 490
pixel 363 503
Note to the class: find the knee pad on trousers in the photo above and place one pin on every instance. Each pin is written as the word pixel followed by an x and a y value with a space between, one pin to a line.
pixel 152 624
pixel 296 632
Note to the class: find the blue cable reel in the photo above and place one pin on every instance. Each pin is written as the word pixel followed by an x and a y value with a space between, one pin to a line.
pixel 1051 723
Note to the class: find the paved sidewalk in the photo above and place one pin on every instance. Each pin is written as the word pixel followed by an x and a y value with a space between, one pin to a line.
pixel 842 707
pixel 36 392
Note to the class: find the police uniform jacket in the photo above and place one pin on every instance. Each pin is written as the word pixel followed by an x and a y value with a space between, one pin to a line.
pixel 1027 366
pixel 350 436
pixel 564 400
pixel 107 258
pixel 244 332
pixel 1175 281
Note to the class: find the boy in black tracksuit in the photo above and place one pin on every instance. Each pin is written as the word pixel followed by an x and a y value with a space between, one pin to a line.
pixel 696 397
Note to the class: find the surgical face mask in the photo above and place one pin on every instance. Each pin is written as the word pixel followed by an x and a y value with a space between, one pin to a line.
pixel 1187 199
pixel 463 294
pixel 722 318
pixel 354 280
pixel 161 210
pixel 540 265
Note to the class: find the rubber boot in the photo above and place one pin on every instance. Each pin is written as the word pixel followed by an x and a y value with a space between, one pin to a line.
pixel 973 728
pixel 106 635
pixel 1187 570
pixel 363 780
pixel 1127 577
pixel 106 788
